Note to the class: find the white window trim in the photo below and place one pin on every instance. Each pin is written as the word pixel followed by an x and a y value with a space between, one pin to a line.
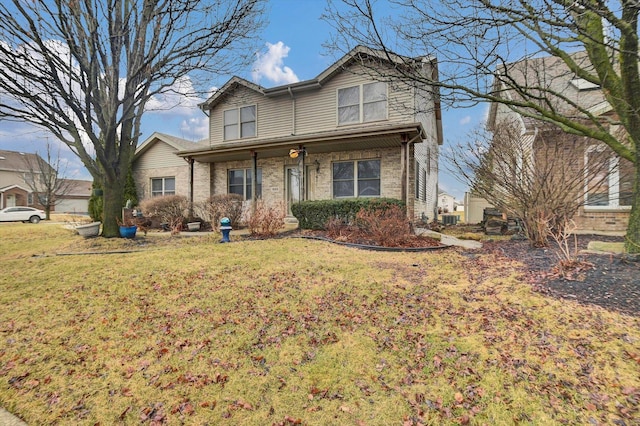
pixel 361 104
pixel 239 124
pixel 163 178
pixel 246 181
pixel 356 179
pixel 613 182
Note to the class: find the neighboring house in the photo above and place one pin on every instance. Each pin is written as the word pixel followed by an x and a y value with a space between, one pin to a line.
pixel 342 134
pixel 76 197
pixel 13 189
pixel 446 202
pixel 607 203
pixel 17 167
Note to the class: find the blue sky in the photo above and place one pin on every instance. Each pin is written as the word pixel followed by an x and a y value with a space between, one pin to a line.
pixel 292 51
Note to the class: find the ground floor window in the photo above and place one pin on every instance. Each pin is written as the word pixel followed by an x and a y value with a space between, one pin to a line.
pixel 356 178
pixel 609 179
pixel 239 182
pixel 163 186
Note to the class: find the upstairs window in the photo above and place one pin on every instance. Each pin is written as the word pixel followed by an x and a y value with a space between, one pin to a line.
pixel 362 103
pixel 163 186
pixel 240 123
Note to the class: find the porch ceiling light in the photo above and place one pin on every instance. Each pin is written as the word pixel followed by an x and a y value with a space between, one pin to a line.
pixel 294 153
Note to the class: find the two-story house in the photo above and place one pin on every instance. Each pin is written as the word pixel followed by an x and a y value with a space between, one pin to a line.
pixel 13 190
pixel 19 176
pixel 606 190
pixel 343 134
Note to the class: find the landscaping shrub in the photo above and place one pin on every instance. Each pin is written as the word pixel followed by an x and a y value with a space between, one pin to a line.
pixel 170 209
pixel 388 226
pixel 266 219
pixel 315 214
pixel 219 206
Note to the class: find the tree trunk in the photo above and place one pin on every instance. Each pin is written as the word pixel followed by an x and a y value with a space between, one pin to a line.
pixel 112 208
pixel 632 239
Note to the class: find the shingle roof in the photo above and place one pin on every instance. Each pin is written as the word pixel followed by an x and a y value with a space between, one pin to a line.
pixel 178 143
pixel 18 161
pixel 547 76
pixel 314 83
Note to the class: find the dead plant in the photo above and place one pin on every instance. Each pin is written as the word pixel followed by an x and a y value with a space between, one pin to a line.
pixel 570 266
pixel 387 226
pixel 266 219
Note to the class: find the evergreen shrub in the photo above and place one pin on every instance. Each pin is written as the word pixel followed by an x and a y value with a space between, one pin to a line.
pixel 316 214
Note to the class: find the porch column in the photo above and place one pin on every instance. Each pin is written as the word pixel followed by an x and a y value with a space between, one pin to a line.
pixel 254 181
pixel 191 174
pixel 302 187
pixel 404 166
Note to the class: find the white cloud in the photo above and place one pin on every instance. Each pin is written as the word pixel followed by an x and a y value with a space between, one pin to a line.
pixel 179 100
pixel 465 120
pixel 270 65
pixel 195 128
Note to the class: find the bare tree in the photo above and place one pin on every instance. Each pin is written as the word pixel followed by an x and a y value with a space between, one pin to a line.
pixel 479 42
pixel 539 180
pixel 87 70
pixel 46 179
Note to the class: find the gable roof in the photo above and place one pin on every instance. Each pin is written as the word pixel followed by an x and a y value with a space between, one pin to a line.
pixel 14 161
pixel 549 73
pixel 177 143
pixel 356 53
pixel 6 188
pixel 377 135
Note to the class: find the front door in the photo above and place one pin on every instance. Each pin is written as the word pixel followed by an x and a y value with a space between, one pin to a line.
pixel 11 200
pixel 293 186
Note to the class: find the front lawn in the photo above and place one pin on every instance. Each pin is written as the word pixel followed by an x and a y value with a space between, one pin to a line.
pixel 295 331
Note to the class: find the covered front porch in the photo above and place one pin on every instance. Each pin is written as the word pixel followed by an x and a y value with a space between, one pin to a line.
pixel 302 167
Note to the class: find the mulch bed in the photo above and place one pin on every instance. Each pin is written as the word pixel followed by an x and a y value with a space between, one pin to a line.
pixel 606 280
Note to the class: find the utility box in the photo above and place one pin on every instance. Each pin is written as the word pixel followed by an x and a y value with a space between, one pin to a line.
pixel 449 219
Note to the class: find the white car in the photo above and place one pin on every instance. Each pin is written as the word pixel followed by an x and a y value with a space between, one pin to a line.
pixel 21 214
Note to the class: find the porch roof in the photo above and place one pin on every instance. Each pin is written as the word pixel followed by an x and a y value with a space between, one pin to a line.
pixel 348 139
pixel 7 188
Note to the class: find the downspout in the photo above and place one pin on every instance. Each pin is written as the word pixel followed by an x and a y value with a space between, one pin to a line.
pixel 301 187
pixel 254 181
pixel 407 145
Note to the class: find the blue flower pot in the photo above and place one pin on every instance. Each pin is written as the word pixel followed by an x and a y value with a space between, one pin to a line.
pixel 128 231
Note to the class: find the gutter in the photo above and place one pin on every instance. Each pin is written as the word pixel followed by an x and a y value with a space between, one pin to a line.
pixel 408 166
pixel 234 146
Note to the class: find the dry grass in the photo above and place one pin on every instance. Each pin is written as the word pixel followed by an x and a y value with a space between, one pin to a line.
pixel 296 331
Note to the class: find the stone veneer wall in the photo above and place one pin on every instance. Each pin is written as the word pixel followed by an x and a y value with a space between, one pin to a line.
pixel 273 178
pixel 143 177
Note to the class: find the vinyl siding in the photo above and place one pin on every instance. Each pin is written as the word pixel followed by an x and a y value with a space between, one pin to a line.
pixel 274 115
pixel 315 110
pixel 158 156
pixel 12 178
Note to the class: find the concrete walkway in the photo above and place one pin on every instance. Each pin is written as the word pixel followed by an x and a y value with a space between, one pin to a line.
pixel 449 240
pixel 8 419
